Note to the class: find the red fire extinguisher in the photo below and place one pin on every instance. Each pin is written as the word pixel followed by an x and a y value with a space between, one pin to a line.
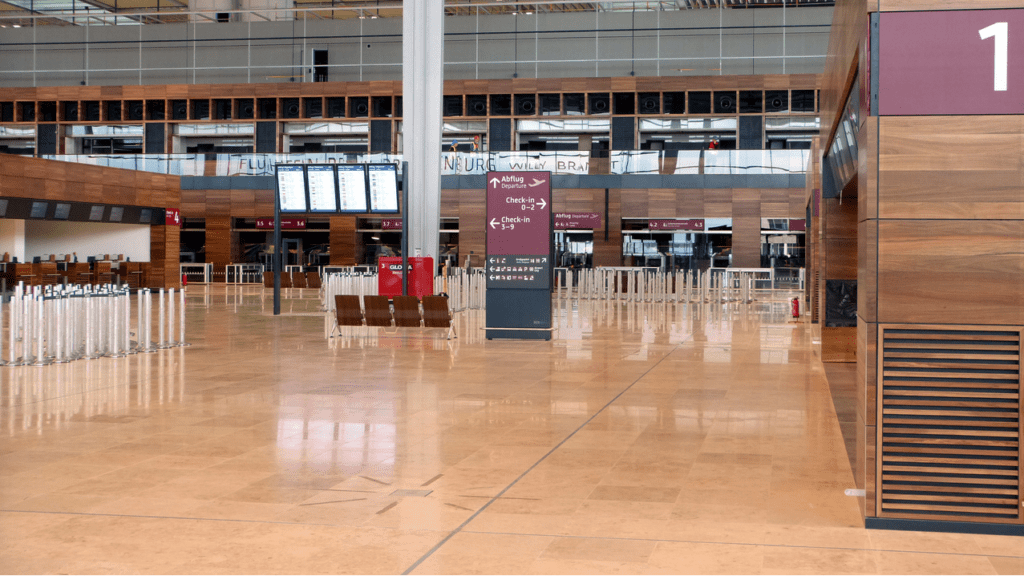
pixel 796 307
pixel 184 280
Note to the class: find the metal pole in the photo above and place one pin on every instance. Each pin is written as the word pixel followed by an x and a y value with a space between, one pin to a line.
pixel 147 328
pixel 170 318
pixel 405 228
pixel 126 298
pixel 115 319
pixel 40 331
pixel 277 253
pixel 12 357
pixel 181 317
pixel 163 341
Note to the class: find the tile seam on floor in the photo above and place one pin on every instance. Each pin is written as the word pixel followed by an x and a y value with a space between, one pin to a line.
pixel 199 519
pixel 157 517
pixel 670 540
pixel 472 517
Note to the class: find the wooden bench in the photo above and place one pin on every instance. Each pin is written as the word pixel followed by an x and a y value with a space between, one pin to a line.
pixel 376 311
pixel 313 280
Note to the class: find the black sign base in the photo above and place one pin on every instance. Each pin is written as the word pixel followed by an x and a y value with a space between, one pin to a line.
pixel 518 309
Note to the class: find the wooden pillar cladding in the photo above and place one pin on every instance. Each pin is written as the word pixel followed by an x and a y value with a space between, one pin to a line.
pixel 342 238
pixel 838 273
pixel 609 252
pixel 940 270
pixel 219 244
pixel 472 220
pixel 164 248
pixel 746 228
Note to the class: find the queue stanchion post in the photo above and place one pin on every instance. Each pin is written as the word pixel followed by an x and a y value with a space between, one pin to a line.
pixel 162 342
pixel 114 314
pixel 170 319
pixel 40 330
pixel 126 321
pixel 181 319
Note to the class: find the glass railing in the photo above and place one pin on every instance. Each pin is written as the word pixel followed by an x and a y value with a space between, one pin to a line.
pixel 468 163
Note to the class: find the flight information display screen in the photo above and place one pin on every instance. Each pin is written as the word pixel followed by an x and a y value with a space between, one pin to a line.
pixel 383 188
pixel 352 187
pixel 323 191
pixel 291 188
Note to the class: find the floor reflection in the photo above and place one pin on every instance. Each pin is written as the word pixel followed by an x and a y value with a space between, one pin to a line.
pixel 640 433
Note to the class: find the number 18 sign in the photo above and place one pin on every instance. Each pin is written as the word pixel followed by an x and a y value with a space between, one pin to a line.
pixel 951 62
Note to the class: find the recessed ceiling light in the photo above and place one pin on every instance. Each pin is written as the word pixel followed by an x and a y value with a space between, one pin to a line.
pixel 17 25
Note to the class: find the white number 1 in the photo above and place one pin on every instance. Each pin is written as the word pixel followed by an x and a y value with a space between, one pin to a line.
pixel 1000 31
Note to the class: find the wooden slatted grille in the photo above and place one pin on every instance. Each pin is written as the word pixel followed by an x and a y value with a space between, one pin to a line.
pixel 950 423
pixel 815 295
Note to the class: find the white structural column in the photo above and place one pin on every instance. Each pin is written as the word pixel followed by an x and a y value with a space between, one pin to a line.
pixel 422 78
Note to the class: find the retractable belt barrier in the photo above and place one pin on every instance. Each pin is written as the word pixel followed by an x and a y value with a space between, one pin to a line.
pixel 57 324
pixel 652 285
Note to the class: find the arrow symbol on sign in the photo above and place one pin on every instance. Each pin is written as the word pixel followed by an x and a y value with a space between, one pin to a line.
pixel 495 181
pixel 494 223
pixel 492 276
pixel 536 182
pixel 542 203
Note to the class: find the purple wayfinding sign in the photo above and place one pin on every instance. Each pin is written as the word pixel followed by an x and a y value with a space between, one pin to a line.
pixel 518 213
pixel 696 224
pixel 577 220
pixel 951 62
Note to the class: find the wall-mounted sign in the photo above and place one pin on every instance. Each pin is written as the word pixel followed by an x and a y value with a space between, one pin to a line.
pixel 798 225
pixel 951 62
pixel 577 220
pixel 693 224
pixel 391 224
pixel 172 217
pixel 286 223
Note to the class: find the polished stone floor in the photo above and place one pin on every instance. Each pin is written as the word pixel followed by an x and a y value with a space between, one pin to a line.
pixel 644 438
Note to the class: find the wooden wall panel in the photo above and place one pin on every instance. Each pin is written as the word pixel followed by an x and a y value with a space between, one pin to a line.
pixel 867 170
pixel 718 203
pixel 243 203
pixel 634 204
pixel 951 272
pixel 219 242
pixel 849 27
pixel 690 203
pixel 264 203
pixel 580 200
pixel 966 167
pixel 472 220
pixel 838 344
pixel 746 228
pixel 867 270
pixel 342 238
pixel 609 252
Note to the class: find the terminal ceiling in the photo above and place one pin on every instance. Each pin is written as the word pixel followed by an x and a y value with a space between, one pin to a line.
pixel 133 12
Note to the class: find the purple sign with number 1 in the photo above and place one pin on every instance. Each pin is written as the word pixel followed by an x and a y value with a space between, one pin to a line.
pixel 951 62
